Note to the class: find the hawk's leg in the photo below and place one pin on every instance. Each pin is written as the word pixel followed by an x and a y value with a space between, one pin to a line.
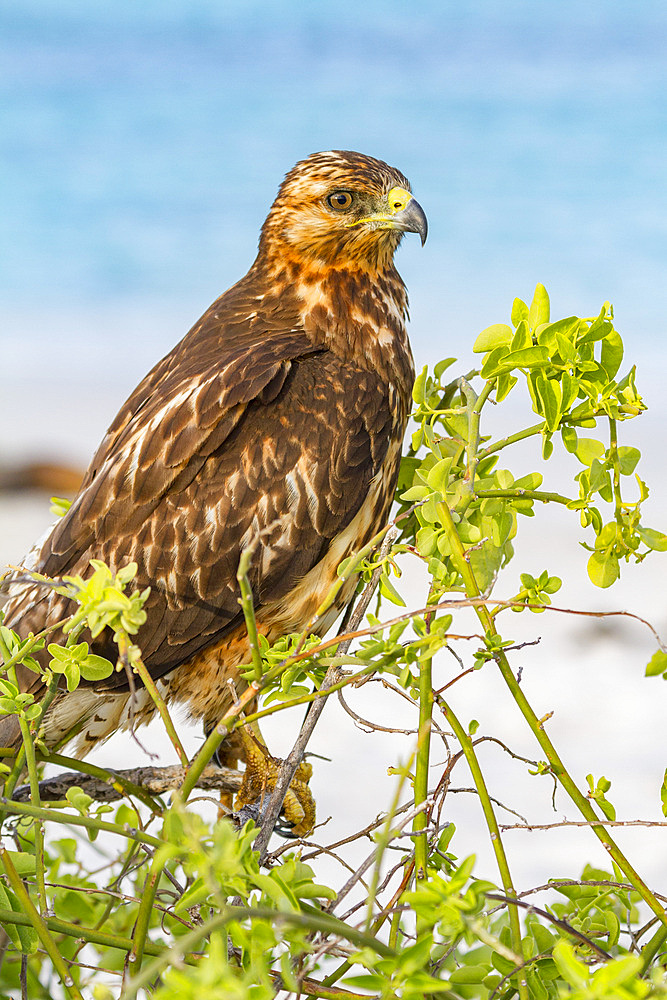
pixel 260 777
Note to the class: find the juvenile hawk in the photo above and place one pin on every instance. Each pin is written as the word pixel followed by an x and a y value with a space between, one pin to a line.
pixel 279 416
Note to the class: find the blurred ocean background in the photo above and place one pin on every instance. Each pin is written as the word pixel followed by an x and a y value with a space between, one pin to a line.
pixel 141 145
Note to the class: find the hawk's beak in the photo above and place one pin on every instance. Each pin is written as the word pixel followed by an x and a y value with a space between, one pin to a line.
pixel 406 213
pixel 402 213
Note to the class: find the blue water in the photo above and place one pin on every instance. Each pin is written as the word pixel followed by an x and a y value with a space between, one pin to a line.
pixel 142 143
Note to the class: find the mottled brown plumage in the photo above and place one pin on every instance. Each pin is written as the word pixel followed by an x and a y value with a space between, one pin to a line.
pixel 279 417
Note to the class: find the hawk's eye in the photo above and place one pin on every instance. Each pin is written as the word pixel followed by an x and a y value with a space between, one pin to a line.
pixel 340 200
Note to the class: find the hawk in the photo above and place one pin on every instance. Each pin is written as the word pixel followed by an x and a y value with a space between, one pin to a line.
pixel 277 421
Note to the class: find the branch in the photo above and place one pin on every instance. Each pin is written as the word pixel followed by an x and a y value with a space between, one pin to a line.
pixel 155 780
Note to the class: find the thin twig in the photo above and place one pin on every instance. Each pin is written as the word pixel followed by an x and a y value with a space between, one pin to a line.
pixel 585 822
pixel 564 882
pixel 562 924
pixel 473 791
pixel 366 832
pixel 248 607
pixel 366 725
pixel 138 664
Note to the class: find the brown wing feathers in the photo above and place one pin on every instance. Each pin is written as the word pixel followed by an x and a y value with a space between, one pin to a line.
pixel 187 531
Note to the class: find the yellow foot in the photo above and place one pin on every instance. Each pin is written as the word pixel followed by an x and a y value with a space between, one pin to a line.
pixel 260 777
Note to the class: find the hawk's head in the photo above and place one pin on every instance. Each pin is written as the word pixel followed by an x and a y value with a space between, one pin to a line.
pixel 342 208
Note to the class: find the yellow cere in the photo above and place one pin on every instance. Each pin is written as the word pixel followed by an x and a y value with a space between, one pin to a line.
pixel 397 199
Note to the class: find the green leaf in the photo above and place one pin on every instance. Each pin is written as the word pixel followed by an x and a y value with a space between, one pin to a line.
pixel 419 388
pixel 427 540
pixel 613 926
pixel 657 665
pixel 570 388
pixel 491 366
pixel 442 366
pixel 96 668
pixel 589 449
pixel 313 890
pixel 611 353
pixel 519 312
pixel 388 590
pixel 529 357
pixel 504 478
pixel 439 474
pixel 11 930
pixel 502 964
pixel 643 489
pixel 599 328
pixel 655 540
pixel 24 863
pixel 663 795
pixel 571 969
pixel 276 890
pixel 538 990
pixel 469 533
pixel 522 338
pixel 603 568
pixel 469 974
pixel 195 895
pixel 429 512
pixel 543 938
pixel 504 386
pixel 606 807
pixel 366 981
pixel 532 481
pixel 415 493
pixel 59 506
pixel 59 653
pixel 74 906
pixel 627 459
pixel 72 674
pixel 497 335
pixel 79 799
pixel 563 331
pixel 539 308
pixel 610 977
pixel 599 476
pixel 126 573
pixel 549 391
pixel 414 958
pixel 22 937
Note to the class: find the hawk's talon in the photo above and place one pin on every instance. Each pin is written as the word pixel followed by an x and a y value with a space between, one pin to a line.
pixel 260 777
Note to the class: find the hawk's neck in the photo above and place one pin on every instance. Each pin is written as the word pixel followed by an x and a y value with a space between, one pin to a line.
pixel 357 313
